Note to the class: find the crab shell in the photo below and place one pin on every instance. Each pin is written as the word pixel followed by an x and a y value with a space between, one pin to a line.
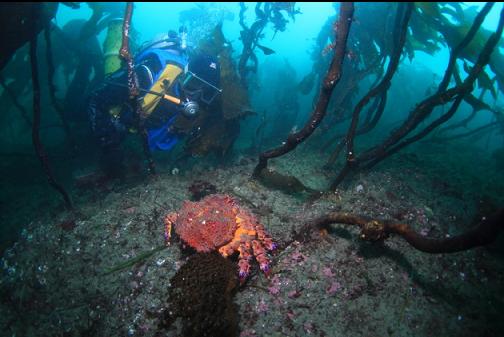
pixel 217 222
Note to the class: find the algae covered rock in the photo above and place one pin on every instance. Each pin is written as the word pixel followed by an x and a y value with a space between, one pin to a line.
pixel 201 294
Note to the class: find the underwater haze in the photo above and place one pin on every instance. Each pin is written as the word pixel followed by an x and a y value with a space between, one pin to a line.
pixel 252 169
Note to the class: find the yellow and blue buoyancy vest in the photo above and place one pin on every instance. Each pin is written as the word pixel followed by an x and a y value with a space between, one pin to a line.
pixel 160 79
pixel 171 66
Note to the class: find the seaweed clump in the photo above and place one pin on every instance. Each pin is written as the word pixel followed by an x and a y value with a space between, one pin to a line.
pixel 201 294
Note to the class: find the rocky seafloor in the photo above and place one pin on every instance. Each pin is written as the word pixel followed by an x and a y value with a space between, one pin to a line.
pixel 58 279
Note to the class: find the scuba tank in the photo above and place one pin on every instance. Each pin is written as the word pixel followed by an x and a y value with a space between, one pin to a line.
pixel 112 45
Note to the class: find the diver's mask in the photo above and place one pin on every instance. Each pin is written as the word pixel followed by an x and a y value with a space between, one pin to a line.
pixel 197 89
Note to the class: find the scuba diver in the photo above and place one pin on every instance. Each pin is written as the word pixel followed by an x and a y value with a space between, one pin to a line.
pixel 172 84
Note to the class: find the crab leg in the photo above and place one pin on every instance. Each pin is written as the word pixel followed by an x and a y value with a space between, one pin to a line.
pixel 260 255
pixel 244 260
pixel 265 238
pixel 240 236
pixel 169 220
pixel 229 248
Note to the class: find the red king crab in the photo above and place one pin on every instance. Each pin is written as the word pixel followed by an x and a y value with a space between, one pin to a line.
pixel 218 222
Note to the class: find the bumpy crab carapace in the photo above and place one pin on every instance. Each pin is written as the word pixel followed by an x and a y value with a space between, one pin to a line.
pixel 217 222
